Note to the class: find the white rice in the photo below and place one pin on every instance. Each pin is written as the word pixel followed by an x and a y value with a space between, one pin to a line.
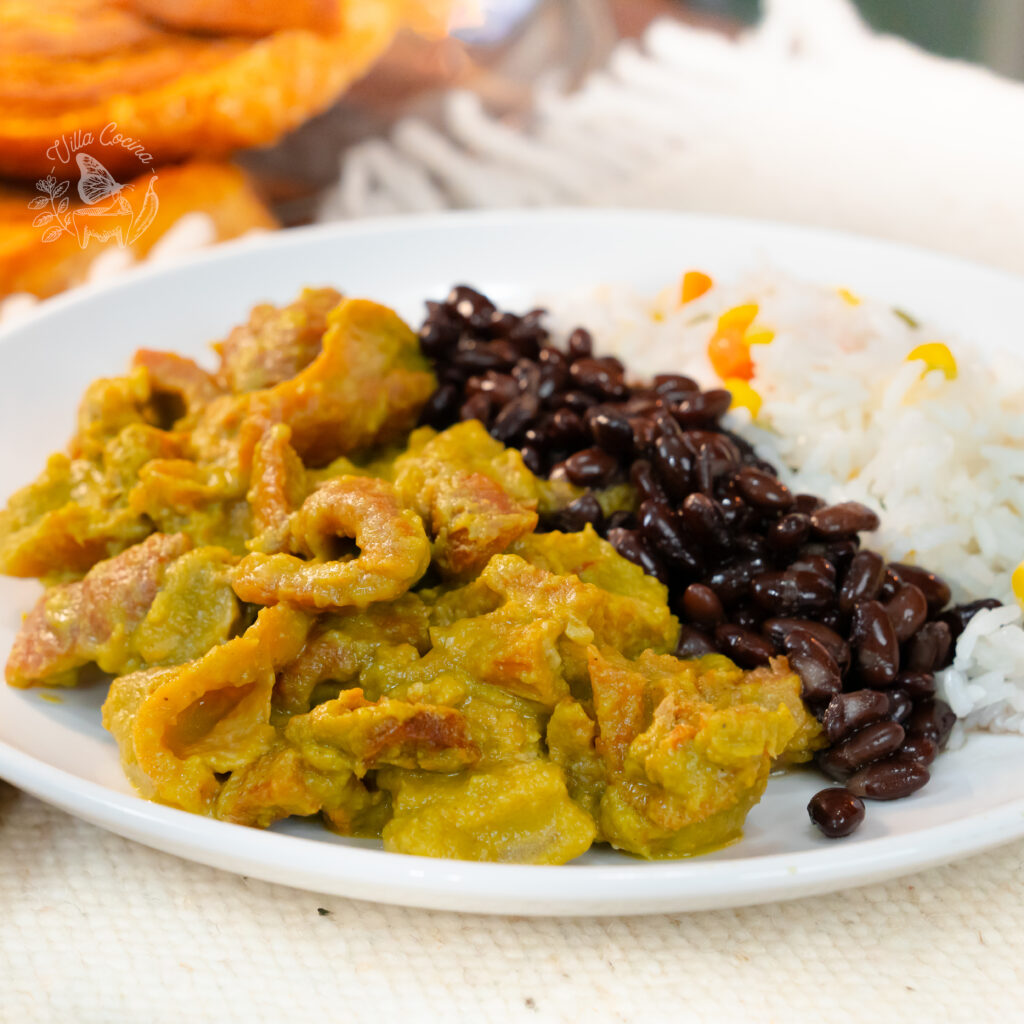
pixel 846 416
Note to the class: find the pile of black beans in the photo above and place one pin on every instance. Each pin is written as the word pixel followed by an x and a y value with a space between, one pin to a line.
pixel 753 570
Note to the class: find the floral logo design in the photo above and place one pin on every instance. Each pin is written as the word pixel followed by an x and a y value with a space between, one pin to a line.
pixel 52 190
pixel 105 211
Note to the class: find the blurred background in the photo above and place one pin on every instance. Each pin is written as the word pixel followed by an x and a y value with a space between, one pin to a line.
pixel 235 116
pixel 990 32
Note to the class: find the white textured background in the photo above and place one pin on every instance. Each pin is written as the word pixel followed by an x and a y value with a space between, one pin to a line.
pixel 95 930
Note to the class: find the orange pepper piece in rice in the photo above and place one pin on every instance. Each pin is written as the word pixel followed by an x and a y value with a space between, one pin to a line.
pixel 694 284
pixel 729 347
pixel 730 356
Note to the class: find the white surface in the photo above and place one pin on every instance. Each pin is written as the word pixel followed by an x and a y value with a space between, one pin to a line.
pixel 59 751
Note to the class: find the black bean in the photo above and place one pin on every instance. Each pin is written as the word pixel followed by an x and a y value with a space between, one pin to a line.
pixel 440 331
pixel 591 467
pixel 921 749
pixel 701 407
pixel 527 340
pixel 538 437
pixel 848 712
pixel 660 528
pixel 504 353
pixel 577 514
pixel 645 434
pixel 640 403
pixel 929 647
pixel 841 553
pixel 732 582
pixel 900 705
pixel 620 519
pixel 807 504
pixel 629 544
pixel 836 812
pixel 789 532
pixel 567 430
pixel 779 628
pixel 476 357
pixel 837 522
pixel 736 513
pixel 877 654
pixel 890 584
pixel 473 307
pixel 702 606
pixel 670 397
pixel 818 564
pixel 501 325
pixel 870 743
pixel 693 643
pixel 916 684
pixel 596 377
pixel 442 407
pixel 722 447
pixel 830 617
pixel 526 374
pixel 532 459
pixel 610 429
pixel 763 491
pixel 674 466
pixel 704 522
pixel 750 544
pixel 836 772
pixel 453 375
pixel 578 401
pixel 862 581
pixel 580 344
pixel 907 611
pixel 512 421
pixel 959 615
pixel 557 472
pixel 476 408
pixel 665 383
pixel 641 476
pixel 554 373
pixel 933 718
pixel 782 593
pixel 811 661
pixel 747 648
pixel 706 470
pixel 530 330
pixel 888 780
pixel 935 589
pixel 747 614
pixel 501 387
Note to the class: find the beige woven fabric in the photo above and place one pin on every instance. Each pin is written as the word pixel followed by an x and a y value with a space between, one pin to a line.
pixel 97 930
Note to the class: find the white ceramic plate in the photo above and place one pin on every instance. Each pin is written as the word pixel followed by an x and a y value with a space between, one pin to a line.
pixel 55 747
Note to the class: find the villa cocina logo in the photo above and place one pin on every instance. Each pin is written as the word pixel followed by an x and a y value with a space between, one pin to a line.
pixel 105 212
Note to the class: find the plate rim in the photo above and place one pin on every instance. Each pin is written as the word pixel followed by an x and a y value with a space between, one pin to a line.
pixel 468 886
pixel 659 886
pixel 442 219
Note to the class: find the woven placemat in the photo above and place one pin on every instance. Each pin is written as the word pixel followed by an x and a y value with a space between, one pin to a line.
pixel 95 929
